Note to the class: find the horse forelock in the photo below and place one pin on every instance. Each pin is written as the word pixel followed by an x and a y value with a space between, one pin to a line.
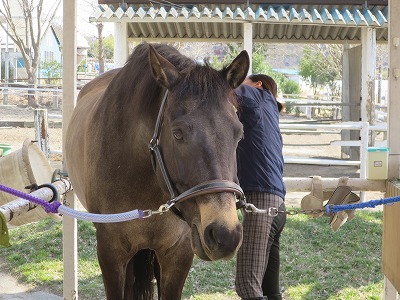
pixel 205 86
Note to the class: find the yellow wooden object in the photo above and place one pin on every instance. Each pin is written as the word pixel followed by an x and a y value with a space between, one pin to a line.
pixel 391 236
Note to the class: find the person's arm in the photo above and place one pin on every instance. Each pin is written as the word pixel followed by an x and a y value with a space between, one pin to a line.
pixel 248 96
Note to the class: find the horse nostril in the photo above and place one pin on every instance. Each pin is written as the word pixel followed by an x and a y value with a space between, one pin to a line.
pixel 211 238
pixel 218 237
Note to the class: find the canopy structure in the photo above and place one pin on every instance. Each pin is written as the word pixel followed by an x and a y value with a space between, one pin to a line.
pixel 363 22
pixel 272 22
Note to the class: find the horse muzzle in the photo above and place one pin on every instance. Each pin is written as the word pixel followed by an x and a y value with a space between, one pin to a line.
pixel 216 229
pixel 216 242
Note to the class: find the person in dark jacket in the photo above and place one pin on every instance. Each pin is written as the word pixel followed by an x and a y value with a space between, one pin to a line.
pixel 260 173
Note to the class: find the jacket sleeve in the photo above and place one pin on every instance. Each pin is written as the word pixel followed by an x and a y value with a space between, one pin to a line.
pixel 248 96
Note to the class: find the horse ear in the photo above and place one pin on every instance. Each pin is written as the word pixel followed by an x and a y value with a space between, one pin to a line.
pixel 163 71
pixel 236 72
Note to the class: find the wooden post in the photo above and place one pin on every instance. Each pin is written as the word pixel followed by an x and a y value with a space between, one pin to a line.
pixel 368 38
pixel 42 130
pixel 248 42
pixel 389 291
pixel 70 228
pixel 391 238
pixel 55 99
pixel 120 44
pixel 394 90
pixel 309 110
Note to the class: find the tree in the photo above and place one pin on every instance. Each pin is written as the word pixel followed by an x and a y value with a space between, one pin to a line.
pixel 100 51
pixel 27 32
pixel 322 65
pixel 51 70
pixel 102 48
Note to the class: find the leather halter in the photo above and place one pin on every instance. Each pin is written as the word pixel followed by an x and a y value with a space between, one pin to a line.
pixel 208 187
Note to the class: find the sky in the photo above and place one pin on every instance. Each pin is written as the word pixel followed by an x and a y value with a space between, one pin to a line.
pixel 85 9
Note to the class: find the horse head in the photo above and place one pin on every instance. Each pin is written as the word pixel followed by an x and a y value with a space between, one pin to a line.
pixel 198 139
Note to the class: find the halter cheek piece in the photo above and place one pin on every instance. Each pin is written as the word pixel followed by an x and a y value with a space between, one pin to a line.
pixel 208 187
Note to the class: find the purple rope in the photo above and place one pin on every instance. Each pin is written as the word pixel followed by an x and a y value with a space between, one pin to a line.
pixel 48 207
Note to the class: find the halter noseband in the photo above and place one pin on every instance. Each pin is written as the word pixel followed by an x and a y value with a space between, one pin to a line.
pixel 208 187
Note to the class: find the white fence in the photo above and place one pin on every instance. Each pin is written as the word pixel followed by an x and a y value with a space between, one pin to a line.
pixel 50 93
pixel 41 134
pixel 308 105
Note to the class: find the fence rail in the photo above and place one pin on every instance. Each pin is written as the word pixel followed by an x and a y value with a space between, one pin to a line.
pixel 41 134
pixel 51 92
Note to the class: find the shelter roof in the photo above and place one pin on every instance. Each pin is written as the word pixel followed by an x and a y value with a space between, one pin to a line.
pixel 273 22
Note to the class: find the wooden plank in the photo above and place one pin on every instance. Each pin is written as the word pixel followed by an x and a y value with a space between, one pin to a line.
pixel 391 237
pixel 391 220
pixel 321 161
pixel 299 184
pixel 70 227
pixel 346 143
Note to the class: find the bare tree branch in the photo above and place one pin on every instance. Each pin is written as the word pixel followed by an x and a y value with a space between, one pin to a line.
pixel 36 23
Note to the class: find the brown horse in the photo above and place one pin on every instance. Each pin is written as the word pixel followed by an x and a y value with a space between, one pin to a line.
pixel 108 161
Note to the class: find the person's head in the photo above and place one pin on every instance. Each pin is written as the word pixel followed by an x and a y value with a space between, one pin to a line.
pixel 264 82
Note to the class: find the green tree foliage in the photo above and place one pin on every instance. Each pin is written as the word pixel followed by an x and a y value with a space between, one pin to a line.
pixel 290 87
pixel 259 66
pixel 51 70
pixel 322 65
pixel 108 46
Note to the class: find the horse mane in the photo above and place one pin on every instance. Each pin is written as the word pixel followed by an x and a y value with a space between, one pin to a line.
pixel 135 82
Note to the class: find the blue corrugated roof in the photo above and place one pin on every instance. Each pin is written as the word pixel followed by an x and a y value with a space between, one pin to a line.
pixel 301 23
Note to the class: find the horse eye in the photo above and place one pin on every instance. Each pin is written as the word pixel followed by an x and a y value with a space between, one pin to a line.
pixel 178 135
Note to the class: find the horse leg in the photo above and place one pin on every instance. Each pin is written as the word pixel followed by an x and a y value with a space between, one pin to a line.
pixel 175 263
pixel 113 261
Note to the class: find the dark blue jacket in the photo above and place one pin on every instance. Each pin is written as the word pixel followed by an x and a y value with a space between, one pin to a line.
pixel 259 153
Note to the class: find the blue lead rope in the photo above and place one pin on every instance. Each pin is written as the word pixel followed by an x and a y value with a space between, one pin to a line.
pixel 329 209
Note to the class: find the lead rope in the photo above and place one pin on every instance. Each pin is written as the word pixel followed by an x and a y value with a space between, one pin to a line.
pixel 57 207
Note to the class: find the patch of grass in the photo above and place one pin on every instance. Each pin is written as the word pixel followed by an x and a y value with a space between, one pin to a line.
pixel 210 280
pixel 320 264
pixel 316 263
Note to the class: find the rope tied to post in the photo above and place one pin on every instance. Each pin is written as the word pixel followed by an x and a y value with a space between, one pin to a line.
pixel 57 207
pixel 49 207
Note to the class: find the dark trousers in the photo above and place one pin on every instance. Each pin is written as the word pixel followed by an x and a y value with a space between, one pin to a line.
pixel 271 284
pixel 257 268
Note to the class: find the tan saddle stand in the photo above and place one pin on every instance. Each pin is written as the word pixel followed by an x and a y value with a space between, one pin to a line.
pixel 341 195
